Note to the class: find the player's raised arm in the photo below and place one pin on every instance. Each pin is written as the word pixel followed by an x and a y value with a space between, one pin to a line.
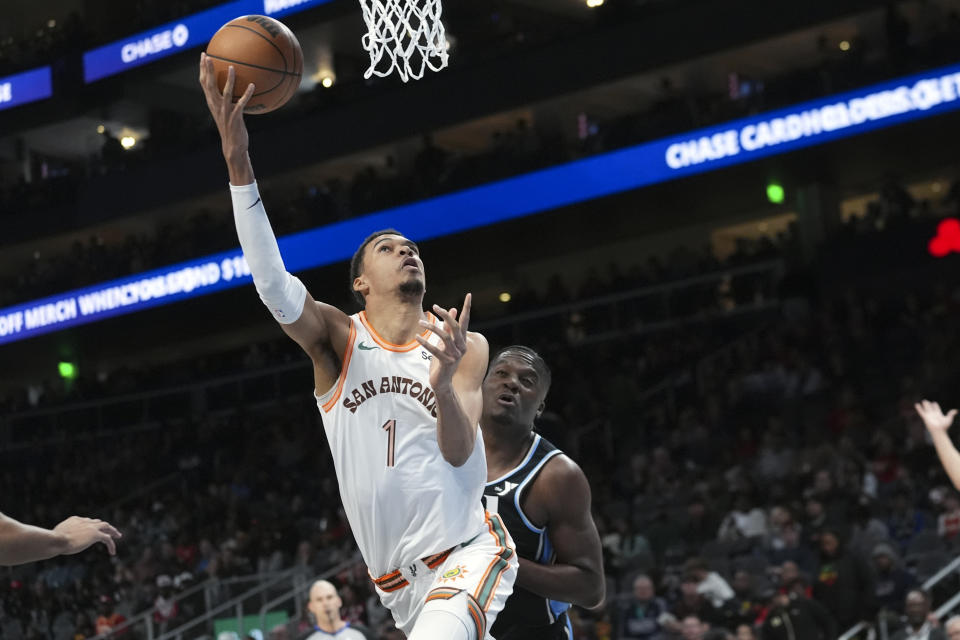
pixel 319 328
pixel 937 424
pixel 456 374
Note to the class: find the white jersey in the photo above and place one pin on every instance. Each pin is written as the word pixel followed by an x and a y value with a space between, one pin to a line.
pixel 403 500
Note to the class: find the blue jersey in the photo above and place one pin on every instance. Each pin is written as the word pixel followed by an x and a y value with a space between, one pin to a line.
pixel 526 615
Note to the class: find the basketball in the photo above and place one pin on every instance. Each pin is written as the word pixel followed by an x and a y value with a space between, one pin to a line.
pixel 262 51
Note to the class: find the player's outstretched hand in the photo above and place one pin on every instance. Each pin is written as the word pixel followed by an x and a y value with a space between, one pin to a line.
pixel 227 115
pixel 933 416
pixel 447 358
pixel 80 533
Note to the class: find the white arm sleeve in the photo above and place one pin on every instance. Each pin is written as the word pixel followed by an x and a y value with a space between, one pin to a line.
pixel 283 293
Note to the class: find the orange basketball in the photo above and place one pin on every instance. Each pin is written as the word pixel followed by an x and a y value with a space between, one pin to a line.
pixel 262 51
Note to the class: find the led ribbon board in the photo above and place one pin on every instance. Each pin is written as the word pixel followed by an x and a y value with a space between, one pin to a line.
pixel 911 98
pixel 174 37
pixel 25 87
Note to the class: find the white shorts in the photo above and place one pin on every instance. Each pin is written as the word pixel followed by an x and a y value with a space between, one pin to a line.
pixel 484 568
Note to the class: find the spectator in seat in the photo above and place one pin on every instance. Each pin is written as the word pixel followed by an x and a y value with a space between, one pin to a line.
pixel 746 632
pixel 745 520
pixel 952 628
pixel 709 583
pixel 792 617
pixel 893 581
pixel 815 523
pixel 790 577
pixel 691 603
pixel 643 616
pixel 905 521
pixel 699 527
pixel 920 625
pixel 783 531
pixel 837 504
pixel 109 618
pixel 948 524
pixel 165 608
pixel 693 628
pixel 744 607
pixel 844 584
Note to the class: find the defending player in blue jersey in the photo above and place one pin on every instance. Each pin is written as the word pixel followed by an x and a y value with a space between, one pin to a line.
pixel 544 499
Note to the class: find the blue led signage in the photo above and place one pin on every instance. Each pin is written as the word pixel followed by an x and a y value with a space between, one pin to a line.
pixel 25 87
pixel 815 122
pixel 192 31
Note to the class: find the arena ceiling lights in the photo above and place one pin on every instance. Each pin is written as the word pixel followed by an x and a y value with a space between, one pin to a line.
pixel 811 123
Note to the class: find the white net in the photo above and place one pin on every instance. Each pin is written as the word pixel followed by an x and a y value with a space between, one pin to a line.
pixel 404 35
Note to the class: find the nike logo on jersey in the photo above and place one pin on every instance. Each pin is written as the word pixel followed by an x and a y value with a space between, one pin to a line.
pixel 506 488
pixel 364 347
pixel 254 204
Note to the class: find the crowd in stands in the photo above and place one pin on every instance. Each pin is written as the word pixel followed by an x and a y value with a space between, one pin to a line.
pixel 788 480
pixel 923 41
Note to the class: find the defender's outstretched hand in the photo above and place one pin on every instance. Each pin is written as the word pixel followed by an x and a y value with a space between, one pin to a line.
pixel 937 424
pixel 80 533
pixel 21 543
pixel 933 416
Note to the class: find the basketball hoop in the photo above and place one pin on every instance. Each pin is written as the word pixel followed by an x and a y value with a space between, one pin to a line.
pixel 404 35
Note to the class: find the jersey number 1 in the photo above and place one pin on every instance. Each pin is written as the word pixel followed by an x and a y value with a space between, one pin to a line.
pixel 390 426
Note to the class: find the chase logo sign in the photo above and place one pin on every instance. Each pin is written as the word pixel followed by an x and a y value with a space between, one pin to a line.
pixel 862 109
pixel 157 43
pixel 191 31
pixel 821 120
pixel 911 98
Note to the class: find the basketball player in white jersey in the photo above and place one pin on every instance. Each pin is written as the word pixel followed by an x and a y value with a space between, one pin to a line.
pixel 544 499
pixel 399 391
